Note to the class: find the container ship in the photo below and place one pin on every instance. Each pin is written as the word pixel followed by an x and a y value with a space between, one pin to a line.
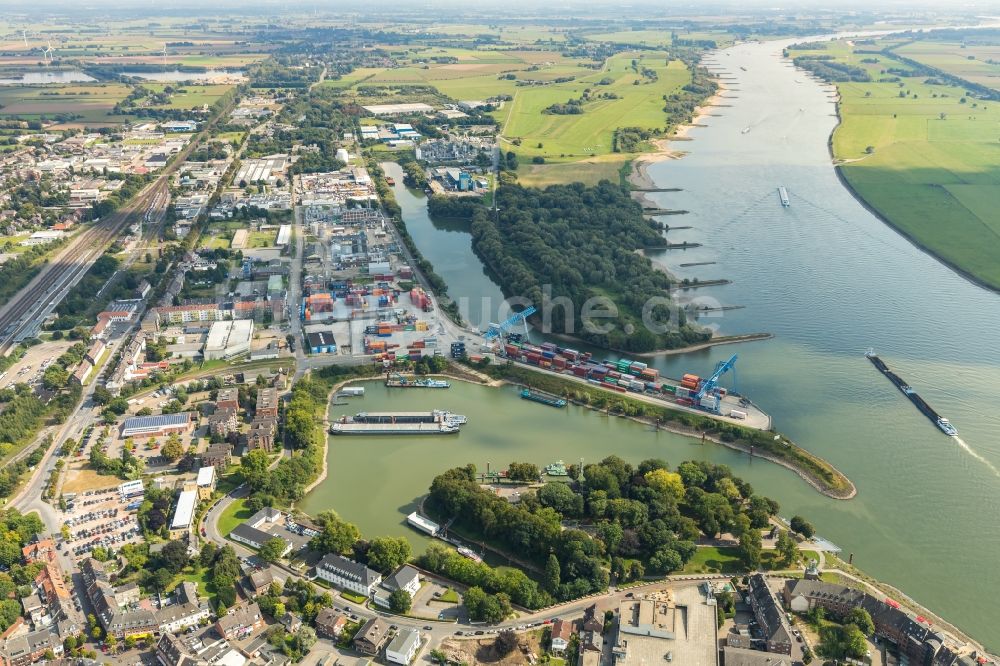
pixel 928 411
pixel 783 195
pixel 435 422
pixel 543 398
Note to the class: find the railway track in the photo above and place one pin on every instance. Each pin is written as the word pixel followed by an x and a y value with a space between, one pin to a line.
pixel 25 311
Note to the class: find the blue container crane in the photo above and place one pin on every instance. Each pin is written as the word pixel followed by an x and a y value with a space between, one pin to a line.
pixel 495 330
pixel 712 382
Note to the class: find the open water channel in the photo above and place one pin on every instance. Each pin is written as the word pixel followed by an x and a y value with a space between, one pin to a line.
pixel 829 280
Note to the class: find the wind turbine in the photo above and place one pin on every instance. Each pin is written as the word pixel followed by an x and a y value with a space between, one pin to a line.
pixel 24 36
pixel 48 53
pixel 164 53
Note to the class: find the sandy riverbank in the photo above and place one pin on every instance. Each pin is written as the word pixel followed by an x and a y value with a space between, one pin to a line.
pixel 639 177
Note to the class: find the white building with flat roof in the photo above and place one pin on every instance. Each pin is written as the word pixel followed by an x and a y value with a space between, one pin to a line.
pixel 206 482
pixel 403 647
pixel 183 514
pixel 228 338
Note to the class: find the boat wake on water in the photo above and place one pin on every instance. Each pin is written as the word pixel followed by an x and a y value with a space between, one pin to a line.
pixel 975 454
pixel 942 423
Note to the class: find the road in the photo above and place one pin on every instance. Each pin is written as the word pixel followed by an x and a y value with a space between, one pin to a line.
pixel 21 315
pixel 439 630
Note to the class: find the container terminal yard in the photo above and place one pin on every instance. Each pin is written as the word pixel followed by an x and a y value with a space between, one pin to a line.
pixel 699 395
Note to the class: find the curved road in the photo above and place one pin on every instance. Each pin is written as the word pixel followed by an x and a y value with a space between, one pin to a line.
pixel 439 629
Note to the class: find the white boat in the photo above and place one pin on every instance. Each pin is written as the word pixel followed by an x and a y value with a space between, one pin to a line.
pixel 783 195
pixel 947 427
pixel 469 553
pixel 745 130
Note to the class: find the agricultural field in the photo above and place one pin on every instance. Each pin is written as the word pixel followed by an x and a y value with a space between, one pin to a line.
pixel 85 102
pixel 927 158
pixel 976 63
pixel 552 147
pixel 189 96
pixel 639 103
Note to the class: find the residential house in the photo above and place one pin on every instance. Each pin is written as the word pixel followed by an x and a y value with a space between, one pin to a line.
pixel 184 611
pixel 217 455
pixel 770 616
pixel 258 582
pixel 223 421
pixel 405 578
pixel 591 648
pixel 206 481
pixel 330 623
pixel 201 649
pixel 24 649
pixel 592 619
pixel 348 574
pixel 240 622
pixel 911 634
pixel 403 647
pixel 267 402
pixel 291 622
pixel 116 619
pixel 261 434
pixel 42 550
pixel 228 398
pixel 372 637
pixel 562 631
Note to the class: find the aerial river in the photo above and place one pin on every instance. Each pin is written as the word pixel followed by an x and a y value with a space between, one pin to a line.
pixel 829 280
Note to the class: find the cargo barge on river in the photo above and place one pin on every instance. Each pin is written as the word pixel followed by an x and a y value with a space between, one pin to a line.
pixel 543 398
pixel 928 411
pixel 399 381
pixel 435 422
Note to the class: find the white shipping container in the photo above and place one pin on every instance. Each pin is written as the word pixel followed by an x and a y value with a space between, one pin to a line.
pixel 737 414
pixel 709 402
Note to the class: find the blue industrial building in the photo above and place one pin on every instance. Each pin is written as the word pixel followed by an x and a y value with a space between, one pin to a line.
pixel 322 342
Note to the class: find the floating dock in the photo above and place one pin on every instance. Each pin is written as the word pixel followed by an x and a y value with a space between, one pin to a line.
pixel 928 411
pixel 423 524
pixel 543 398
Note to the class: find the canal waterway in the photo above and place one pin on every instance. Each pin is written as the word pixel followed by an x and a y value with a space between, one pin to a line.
pixel 829 280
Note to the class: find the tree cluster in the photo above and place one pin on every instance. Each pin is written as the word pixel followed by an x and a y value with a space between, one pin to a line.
pixel 581 242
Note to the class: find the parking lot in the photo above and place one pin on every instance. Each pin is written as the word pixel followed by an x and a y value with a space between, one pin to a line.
pixel 101 518
pixel 36 359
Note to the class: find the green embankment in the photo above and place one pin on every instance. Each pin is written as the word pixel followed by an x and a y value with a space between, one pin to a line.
pixel 822 475
pixel 924 155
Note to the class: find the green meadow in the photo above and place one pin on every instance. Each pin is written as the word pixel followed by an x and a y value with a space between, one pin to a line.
pixel 567 147
pixel 639 103
pixel 927 158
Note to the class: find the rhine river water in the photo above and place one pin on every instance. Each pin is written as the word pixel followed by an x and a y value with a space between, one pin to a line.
pixel 829 280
